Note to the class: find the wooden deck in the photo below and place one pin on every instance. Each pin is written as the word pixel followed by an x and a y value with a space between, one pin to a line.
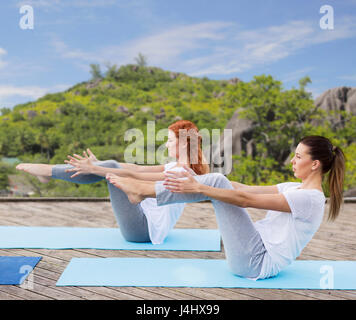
pixel 333 241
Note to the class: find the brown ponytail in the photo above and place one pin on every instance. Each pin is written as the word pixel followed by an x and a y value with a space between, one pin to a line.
pixel 336 182
pixel 332 160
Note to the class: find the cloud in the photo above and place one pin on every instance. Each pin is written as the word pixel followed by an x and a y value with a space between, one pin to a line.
pixel 348 77
pixel 15 69
pixel 10 92
pixel 90 3
pixel 316 92
pixel 58 4
pixel 167 47
pixel 68 53
pixel 78 12
pixel 252 48
pixel 2 62
pixel 163 48
pixel 296 75
pixel 30 91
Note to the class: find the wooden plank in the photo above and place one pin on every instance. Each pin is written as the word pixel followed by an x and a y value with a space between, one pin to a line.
pixel 56 266
pixel 24 294
pixel 333 241
pixel 60 216
pixel 8 296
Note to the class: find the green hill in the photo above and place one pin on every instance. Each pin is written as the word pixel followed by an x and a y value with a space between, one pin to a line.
pixel 97 113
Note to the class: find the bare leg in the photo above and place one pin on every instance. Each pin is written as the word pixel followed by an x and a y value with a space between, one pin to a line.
pixel 136 190
pixel 130 217
pixel 42 171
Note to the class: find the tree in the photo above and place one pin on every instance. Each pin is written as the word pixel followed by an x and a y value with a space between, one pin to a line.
pixel 95 71
pixel 111 70
pixel 5 111
pixel 280 118
pixel 69 122
pixel 5 170
pixel 141 60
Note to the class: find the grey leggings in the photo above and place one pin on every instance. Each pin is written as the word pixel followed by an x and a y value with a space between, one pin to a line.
pixel 130 217
pixel 243 245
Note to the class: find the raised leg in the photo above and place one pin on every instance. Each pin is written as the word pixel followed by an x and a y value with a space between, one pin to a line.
pixel 59 172
pixel 42 171
pixel 243 245
pixel 130 217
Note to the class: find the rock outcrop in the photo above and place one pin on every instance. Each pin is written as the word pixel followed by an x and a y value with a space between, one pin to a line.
pixel 341 98
pixel 337 99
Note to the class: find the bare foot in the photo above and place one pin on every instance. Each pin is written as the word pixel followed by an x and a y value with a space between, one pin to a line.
pixel 132 187
pixel 43 172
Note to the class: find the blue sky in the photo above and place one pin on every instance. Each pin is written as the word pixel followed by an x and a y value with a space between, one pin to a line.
pixel 218 39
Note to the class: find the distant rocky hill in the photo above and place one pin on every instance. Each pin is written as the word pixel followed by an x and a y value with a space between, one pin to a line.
pixel 336 99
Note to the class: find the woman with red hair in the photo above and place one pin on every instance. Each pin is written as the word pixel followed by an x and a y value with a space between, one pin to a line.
pixel 145 221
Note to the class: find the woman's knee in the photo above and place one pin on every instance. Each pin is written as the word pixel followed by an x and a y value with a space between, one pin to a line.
pixel 218 180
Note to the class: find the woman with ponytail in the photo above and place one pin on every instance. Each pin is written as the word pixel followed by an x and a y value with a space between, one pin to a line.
pixel 261 249
pixel 146 221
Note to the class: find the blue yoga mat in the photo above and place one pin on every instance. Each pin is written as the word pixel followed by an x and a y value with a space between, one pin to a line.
pixel 14 270
pixel 204 273
pixel 12 237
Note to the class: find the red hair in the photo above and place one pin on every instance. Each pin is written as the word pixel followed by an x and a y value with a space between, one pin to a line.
pixel 188 130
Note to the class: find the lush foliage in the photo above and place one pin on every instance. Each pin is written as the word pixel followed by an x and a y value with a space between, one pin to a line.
pixel 97 114
pixel 280 119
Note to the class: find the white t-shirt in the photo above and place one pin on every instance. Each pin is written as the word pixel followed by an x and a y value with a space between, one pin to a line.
pixel 161 219
pixel 286 234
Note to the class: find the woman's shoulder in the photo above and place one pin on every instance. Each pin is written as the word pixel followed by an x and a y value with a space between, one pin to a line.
pixel 296 186
pixel 307 198
pixel 284 186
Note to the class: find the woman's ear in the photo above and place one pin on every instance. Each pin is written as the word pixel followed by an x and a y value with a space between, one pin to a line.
pixel 316 165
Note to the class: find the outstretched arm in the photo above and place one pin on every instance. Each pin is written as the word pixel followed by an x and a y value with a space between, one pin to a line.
pixel 85 165
pixel 141 168
pixel 255 189
pixel 129 173
pixel 241 198
pixel 88 154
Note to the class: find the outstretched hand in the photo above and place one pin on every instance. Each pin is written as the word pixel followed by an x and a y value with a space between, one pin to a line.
pixel 82 165
pixel 181 182
pixel 91 156
pixel 190 170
